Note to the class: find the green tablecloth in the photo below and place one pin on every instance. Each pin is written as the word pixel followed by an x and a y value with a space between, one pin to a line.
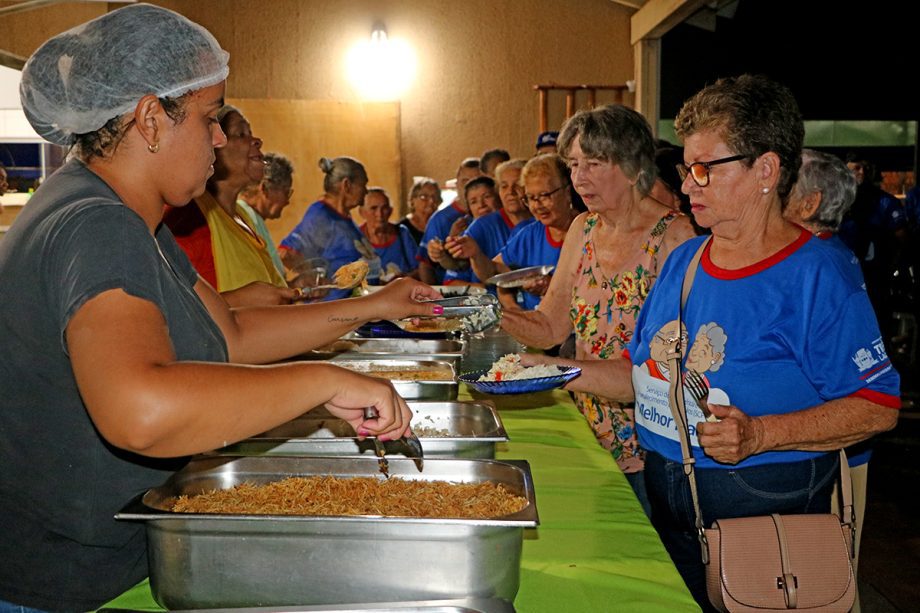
pixel 594 549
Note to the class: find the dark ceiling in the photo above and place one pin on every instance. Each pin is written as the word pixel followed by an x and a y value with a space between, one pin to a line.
pixel 841 60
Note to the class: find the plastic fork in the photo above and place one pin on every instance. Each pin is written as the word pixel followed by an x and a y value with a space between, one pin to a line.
pixel 699 390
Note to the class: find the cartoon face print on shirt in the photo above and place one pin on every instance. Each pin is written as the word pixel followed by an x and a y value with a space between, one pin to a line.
pixel 658 347
pixel 707 354
pixel 708 349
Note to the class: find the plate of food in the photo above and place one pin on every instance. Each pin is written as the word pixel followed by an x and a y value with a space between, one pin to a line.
pixel 509 376
pixel 520 277
pixel 449 291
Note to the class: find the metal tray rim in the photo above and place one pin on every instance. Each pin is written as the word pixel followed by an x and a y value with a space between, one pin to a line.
pixel 497 435
pixel 138 510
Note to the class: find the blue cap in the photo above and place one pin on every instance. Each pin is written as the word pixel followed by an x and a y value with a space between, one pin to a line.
pixel 547 139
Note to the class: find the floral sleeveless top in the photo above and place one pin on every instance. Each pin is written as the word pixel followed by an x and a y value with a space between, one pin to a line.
pixel 603 313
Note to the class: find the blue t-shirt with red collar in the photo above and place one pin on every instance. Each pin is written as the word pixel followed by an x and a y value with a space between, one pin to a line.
pixel 398 252
pixel 324 233
pixel 790 332
pixel 531 246
pixel 491 232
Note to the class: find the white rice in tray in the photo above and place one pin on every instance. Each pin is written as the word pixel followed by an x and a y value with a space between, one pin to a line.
pixel 509 367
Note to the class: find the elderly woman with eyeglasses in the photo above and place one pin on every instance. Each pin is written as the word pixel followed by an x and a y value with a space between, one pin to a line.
pixel 799 369
pixel 610 259
pixel 547 191
pixel 424 200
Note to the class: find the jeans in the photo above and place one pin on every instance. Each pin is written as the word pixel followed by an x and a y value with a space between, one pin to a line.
pixel 9 607
pixel 637 481
pixel 795 487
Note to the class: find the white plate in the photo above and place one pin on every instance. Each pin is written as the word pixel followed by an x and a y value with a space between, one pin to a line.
pixel 517 278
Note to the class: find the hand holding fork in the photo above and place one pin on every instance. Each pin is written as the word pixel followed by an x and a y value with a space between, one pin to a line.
pixel 699 390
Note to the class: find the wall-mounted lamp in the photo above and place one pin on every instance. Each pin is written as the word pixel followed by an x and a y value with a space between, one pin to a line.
pixel 379 33
pixel 381 68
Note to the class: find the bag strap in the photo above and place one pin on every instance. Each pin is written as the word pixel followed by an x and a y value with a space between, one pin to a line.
pixel 788 578
pixel 676 397
pixel 679 412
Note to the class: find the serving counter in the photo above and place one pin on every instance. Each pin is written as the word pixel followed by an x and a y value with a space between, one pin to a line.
pixel 594 549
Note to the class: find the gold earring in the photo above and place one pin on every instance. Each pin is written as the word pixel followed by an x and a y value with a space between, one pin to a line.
pixel 153 148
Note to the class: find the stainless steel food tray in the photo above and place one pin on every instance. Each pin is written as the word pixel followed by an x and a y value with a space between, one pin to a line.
pixel 226 561
pixel 472 430
pixel 391 348
pixel 412 390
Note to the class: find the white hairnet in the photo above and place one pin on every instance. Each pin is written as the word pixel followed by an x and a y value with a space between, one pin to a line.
pixel 80 79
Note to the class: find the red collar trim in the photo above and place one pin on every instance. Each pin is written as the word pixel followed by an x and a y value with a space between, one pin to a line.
pixel 507 219
pixel 549 239
pixel 824 234
pixel 740 273
pixel 377 245
pixel 458 208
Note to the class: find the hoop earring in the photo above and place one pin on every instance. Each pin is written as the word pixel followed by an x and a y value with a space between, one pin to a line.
pixel 155 147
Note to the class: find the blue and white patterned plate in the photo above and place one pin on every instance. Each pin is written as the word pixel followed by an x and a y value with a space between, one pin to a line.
pixel 387 329
pixel 520 386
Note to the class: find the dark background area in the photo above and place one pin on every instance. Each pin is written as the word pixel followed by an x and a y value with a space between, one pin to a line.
pixel 843 61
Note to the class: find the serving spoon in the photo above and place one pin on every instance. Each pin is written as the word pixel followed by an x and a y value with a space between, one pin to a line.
pixel 408 445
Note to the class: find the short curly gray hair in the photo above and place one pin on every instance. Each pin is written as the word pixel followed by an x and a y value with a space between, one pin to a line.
pixel 278 172
pixel 753 115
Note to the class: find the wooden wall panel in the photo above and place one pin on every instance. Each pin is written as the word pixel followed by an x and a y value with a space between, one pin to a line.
pixel 306 130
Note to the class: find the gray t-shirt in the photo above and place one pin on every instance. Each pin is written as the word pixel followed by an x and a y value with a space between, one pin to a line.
pixel 60 481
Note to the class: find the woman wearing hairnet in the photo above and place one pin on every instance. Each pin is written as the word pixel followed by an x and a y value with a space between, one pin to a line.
pixel 119 360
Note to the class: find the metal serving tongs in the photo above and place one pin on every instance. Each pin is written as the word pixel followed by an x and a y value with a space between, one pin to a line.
pixel 408 445
pixel 470 314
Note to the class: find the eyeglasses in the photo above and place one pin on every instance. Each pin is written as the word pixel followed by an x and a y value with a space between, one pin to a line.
pixel 429 197
pixel 700 170
pixel 544 198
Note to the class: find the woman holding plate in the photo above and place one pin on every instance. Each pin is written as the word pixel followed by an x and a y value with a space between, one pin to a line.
pixel 547 192
pixel 610 260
